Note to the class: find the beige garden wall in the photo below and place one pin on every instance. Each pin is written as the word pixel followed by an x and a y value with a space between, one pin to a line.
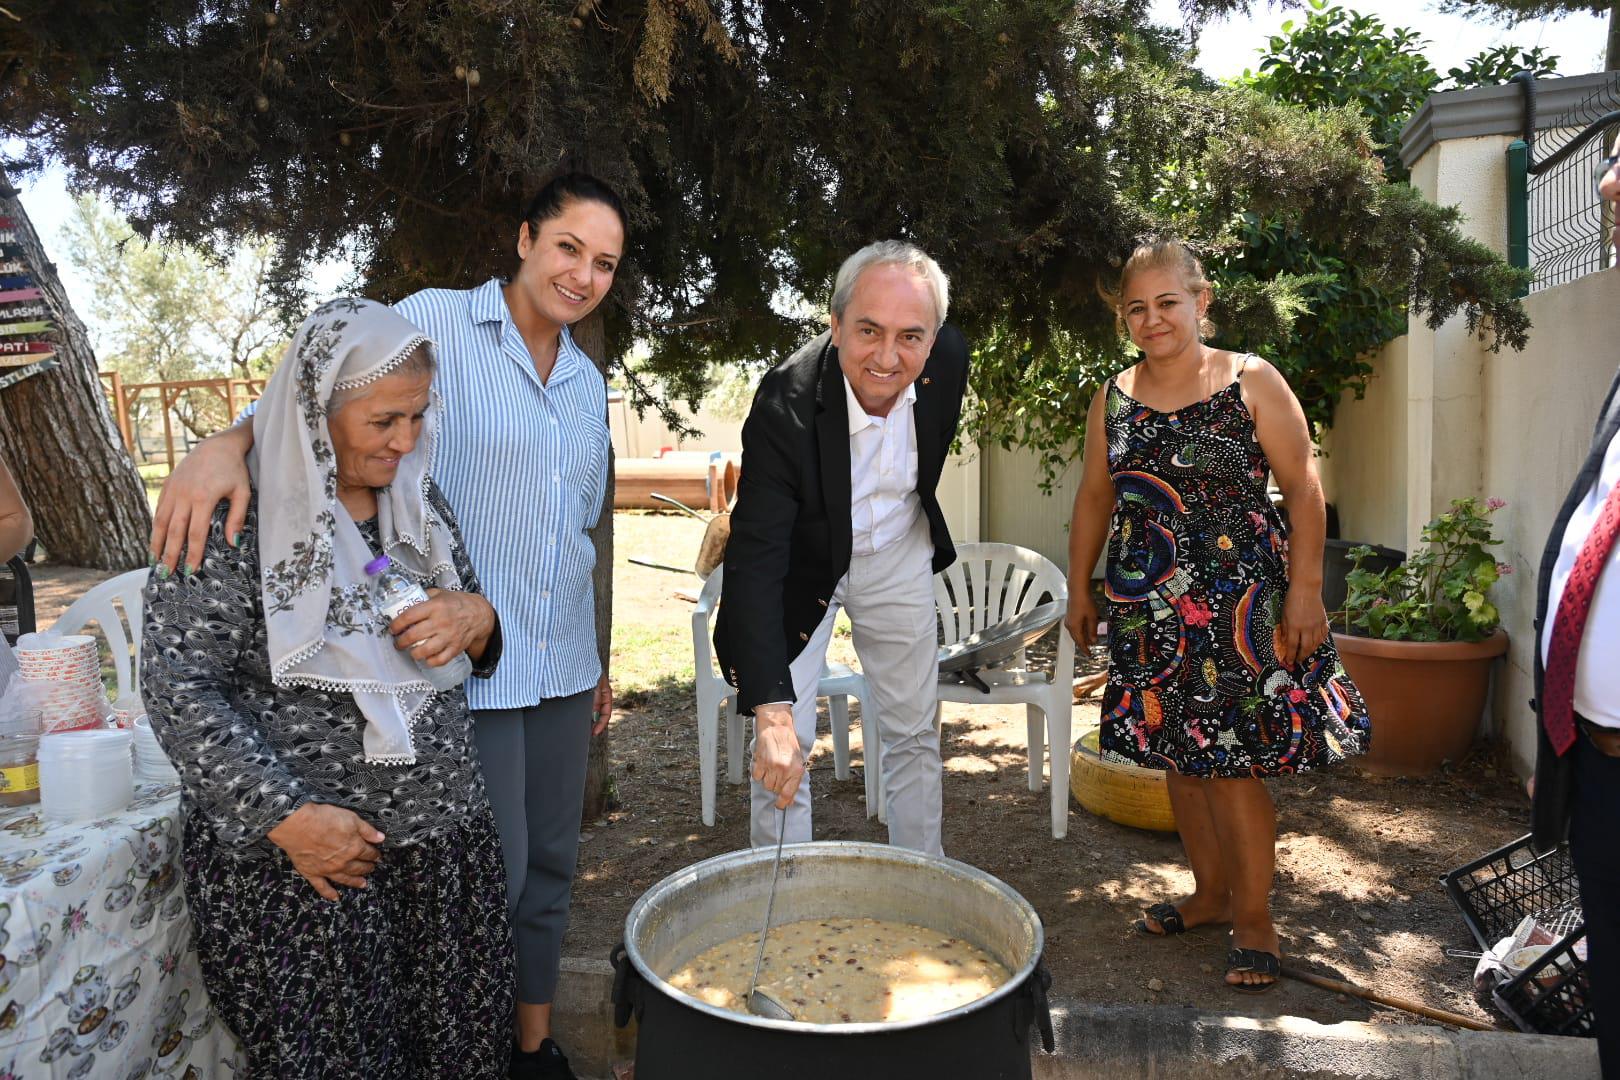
pixel 1017 511
pixel 1363 456
pixel 1445 418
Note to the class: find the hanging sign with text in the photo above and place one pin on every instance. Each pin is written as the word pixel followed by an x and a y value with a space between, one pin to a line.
pixel 28 339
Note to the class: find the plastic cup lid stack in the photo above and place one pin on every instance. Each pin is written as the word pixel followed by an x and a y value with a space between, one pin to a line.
pixel 151 764
pixel 85 774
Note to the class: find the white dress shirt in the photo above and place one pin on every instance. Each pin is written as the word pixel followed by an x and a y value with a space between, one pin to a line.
pixel 1597 675
pixel 882 473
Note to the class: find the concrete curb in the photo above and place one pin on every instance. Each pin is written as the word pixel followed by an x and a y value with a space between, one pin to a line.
pixel 1111 1042
pixel 582 1017
pixel 1124 1042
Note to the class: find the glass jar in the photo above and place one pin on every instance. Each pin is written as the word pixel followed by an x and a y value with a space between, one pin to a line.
pixel 19 770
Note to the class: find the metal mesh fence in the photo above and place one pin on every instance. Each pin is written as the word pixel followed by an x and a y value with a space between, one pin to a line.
pixel 1568 224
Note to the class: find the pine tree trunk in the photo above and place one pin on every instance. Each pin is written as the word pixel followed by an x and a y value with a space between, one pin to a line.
pixel 591 336
pixel 58 437
pixel 1611 56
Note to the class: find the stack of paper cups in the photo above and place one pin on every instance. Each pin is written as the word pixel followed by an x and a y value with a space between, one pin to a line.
pixel 151 764
pixel 85 774
pixel 125 710
pixel 69 669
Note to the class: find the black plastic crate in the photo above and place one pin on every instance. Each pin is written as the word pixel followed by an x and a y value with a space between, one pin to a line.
pixel 1494 894
pixel 1554 997
pixel 1496 891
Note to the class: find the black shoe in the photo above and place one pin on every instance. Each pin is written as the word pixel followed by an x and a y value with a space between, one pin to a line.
pixel 546 1063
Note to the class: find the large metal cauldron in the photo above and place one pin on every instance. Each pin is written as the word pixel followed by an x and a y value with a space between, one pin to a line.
pixel 680 1037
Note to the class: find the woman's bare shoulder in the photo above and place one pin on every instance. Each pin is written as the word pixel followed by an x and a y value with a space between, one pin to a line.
pixel 1125 380
pixel 1257 373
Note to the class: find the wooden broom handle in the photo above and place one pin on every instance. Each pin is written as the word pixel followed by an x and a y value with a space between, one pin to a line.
pixel 1454 1019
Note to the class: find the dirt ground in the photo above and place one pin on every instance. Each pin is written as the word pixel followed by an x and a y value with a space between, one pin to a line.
pixel 1359 858
pixel 56 586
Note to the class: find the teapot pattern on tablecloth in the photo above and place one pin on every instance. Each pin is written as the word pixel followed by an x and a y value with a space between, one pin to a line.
pixel 172 1042
pixel 93 1024
pixel 26 826
pixel 8 970
pixel 21 867
pixel 156 849
pixel 106 892
pixel 61 851
pixel 38 944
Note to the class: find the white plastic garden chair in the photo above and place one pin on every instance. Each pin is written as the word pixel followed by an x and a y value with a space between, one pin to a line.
pixel 838 684
pixel 123 638
pixel 989 584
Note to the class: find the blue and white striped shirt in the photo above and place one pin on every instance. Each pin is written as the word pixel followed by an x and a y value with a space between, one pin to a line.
pixel 524 465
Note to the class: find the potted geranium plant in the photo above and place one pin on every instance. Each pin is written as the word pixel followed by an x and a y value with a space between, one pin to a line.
pixel 1419 640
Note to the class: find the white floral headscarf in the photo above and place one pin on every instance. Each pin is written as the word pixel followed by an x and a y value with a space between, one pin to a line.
pixel 322 629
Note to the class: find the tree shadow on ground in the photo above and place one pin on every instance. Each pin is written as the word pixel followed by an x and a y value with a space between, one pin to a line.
pixel 1359 861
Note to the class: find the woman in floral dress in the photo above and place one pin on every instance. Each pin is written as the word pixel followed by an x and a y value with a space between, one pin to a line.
pixel 1221 668
pixel 341 861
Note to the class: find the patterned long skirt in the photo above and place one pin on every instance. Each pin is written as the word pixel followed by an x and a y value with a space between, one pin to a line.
pixel 409 978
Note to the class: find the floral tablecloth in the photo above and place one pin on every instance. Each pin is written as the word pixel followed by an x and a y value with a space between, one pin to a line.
pixel 97 974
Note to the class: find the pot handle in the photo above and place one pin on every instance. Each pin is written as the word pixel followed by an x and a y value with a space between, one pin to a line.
pixel 1033 1008
pixel 626 987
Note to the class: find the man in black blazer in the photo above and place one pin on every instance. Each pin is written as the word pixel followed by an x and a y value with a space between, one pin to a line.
pixel 842 452
pixel 1577 686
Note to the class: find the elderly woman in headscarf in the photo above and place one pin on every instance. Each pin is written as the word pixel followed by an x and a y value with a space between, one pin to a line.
pixel 341 860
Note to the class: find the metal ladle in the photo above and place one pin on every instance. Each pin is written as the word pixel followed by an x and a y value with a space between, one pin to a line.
pixel 661 497
pixel 759 1002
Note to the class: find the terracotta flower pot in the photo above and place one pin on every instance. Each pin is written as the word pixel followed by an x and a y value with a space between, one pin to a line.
pixel 1425 698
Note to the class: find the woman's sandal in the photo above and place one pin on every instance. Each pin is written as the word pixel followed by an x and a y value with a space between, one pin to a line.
pixel 1244 961
pixel 1169 920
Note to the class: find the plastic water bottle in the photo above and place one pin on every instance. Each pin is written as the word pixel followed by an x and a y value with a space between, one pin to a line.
pixel 392 591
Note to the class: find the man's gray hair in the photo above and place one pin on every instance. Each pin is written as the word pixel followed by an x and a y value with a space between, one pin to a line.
pixel 892 253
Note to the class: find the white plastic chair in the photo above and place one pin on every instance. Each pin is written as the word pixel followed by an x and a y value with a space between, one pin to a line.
pixel 124 639
pixel 838 684
pixel 989 584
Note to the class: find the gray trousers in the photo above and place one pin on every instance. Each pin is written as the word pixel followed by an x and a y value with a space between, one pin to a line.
pixel 890 600
pixel 534 771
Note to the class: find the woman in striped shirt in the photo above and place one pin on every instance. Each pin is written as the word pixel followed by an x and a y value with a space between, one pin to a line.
pixel 522 459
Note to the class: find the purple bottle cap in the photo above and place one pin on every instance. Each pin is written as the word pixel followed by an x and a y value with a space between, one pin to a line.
pixel 379 564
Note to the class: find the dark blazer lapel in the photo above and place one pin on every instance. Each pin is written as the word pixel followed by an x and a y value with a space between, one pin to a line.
pixel 832 437
pixel 928 416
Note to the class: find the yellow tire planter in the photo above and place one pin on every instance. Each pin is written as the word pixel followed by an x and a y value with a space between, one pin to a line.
pixel 1125 794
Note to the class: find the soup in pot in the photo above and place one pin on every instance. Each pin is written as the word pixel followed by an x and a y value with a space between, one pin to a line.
pixel 831 971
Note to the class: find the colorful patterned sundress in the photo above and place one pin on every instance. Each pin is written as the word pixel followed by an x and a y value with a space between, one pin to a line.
pixel 1196 578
